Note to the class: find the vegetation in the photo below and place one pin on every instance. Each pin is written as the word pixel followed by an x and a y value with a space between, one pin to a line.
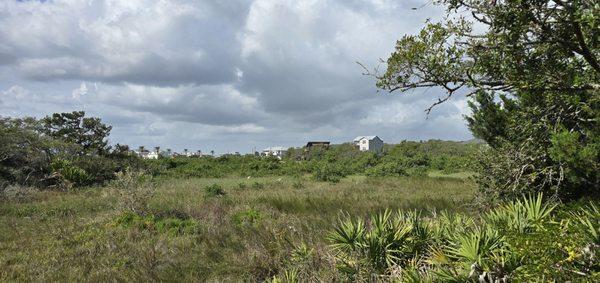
pixel 138 229
pixel 59 151
pixel 408 214
pixel 523 240
pixel 532 71
pixel 403 159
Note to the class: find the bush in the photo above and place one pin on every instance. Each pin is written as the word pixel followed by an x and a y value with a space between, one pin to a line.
pixel 71 173
pixel 330 172
pixel 386 169
pixel 247 217
pixel 134 190
pixel 523 240
pixel 214 190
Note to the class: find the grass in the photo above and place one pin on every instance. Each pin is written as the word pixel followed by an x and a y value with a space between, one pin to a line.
pixel 256 229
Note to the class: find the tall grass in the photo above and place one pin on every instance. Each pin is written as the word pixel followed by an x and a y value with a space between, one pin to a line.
pixel 250 232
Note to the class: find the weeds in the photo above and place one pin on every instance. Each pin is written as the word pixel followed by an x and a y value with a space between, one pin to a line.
pixel 407 247
pixel 134 190
pixel 214 190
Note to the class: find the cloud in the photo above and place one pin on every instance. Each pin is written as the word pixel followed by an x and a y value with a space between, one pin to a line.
pixel 139 41
pixel 226 75
pixel 205 104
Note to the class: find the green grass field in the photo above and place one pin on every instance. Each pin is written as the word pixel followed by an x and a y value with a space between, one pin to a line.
pixel 258 228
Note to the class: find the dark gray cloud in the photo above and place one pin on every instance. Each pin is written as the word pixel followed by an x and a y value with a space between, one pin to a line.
pixel 144 42
pixel 224 75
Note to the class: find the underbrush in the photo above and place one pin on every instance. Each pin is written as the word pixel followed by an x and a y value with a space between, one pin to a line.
pixel 405 158
pixel 523 241
pixel 141 229
pixel 170 225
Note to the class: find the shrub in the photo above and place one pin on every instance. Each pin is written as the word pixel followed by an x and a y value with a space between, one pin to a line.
pixel 134 190
pixel 521 215
pixel 71 173
pixel 329 172
pixel 521 241
pixel 386 169
pixel 389 240
pixel 214 190
pixel 247 217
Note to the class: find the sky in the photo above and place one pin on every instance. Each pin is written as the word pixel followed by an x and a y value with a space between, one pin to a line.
pixel 227 76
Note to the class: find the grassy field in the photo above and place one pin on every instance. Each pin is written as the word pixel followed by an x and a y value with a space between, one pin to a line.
pixel 258 228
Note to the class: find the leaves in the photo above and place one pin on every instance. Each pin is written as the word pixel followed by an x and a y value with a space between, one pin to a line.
pixel 532 70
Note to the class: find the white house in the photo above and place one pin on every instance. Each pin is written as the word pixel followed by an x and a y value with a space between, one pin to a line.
pixel 277 151
pixel 153 155
pixel 369 143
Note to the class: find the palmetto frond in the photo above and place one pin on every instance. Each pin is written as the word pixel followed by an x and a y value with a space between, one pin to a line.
pixel 348 235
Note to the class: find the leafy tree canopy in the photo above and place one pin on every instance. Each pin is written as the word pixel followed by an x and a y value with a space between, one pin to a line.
pixel 88 132
pixel 532 69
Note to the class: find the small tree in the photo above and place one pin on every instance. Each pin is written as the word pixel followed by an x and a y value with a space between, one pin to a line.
pixel 90 133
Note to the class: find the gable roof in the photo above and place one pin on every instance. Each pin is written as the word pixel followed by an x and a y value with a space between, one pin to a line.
pixel 365 137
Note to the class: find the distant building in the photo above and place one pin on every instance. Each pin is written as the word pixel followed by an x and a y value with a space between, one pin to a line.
pixel 153 155
pixel 311 144
pixel 369 143
pixel 277 151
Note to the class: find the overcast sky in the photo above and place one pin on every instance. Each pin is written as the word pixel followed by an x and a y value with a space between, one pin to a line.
pixel 218 75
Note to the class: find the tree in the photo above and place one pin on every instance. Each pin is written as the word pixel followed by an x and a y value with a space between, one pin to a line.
pixel 25 155
pixel 90 133
pixel 532 70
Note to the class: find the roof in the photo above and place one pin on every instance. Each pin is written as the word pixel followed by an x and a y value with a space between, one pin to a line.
pixel 365 137
pixel 311 143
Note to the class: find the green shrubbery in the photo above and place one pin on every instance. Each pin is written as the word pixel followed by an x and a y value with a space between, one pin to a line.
pixel 406 158
pixel 60 151
pixel 523 240
pixel 214 190
pixel 171 225
pixel 330 172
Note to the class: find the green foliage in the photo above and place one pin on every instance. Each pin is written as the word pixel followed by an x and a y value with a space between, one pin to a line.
pixel 532 68
pixel 589 219
pixel 258 185
pixel 90 133
pixel 247 217
pixel 406 158
pixel 512 242
pixel 25 155
pixel 391 239
pixel 330 172
pixel 169 225
pixel 214 190
pixel 70 172
pixel 298 184
pixel 59 151
pixel 521 215
pixel 386 169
